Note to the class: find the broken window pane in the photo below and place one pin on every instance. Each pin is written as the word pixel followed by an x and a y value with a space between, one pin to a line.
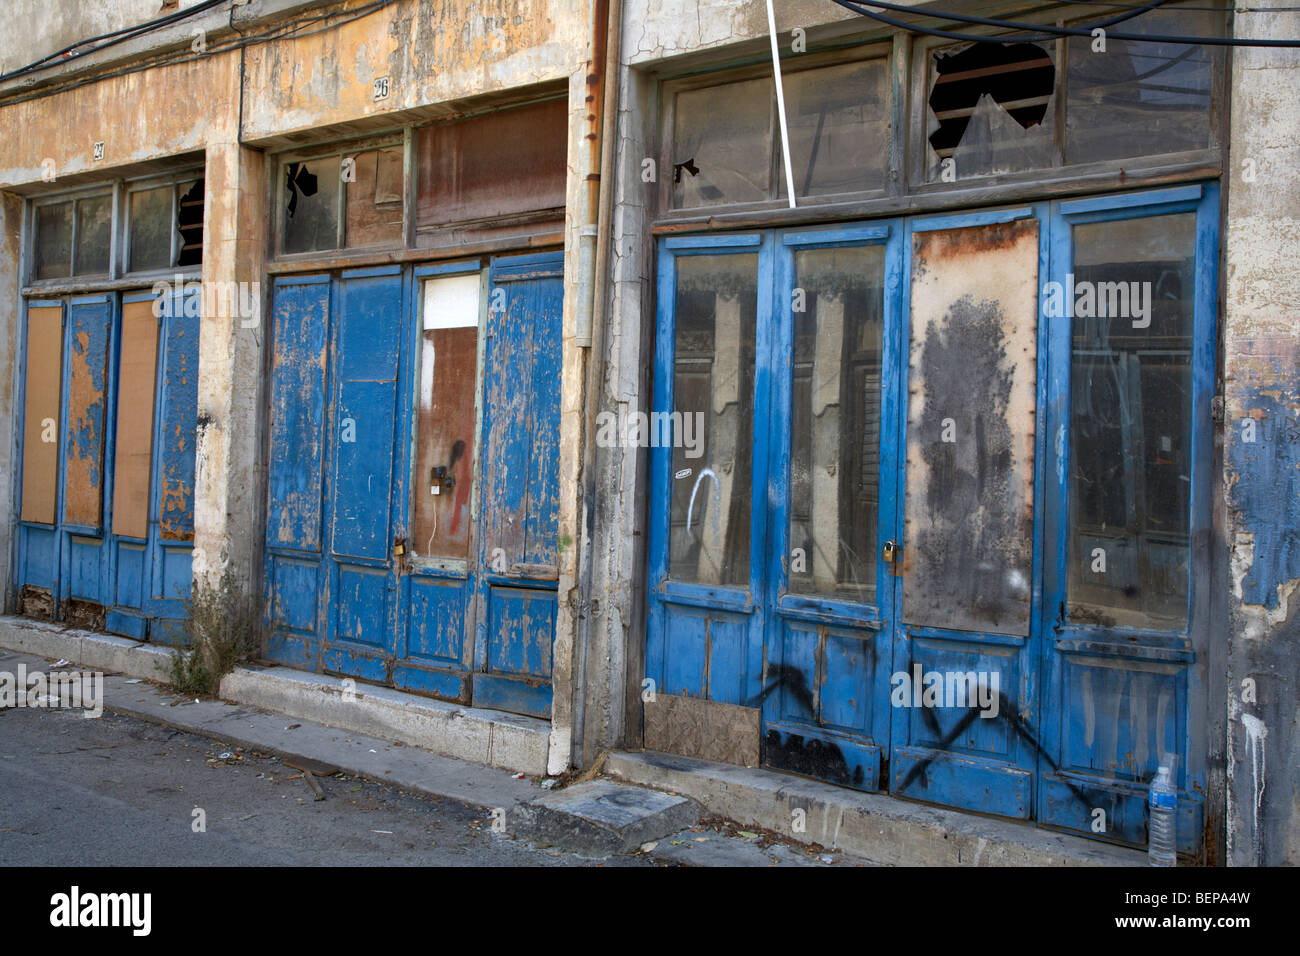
pixel 53 240
pixel 1140 98
pixel 374 197
pixel 839 128
pixel 1131 441
pixel 189 218
pixel 151 229
pixel 991 110
pixel 712 422
pixel 722 144
pixel 94 233
pixel 311 205
pixel 835 422
pixel 444 461
pixel 502 164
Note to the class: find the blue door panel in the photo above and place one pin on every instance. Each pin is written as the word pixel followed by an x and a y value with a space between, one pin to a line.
pixel 436 620
pixel 294 585
pixel 178 419
pixel 361 603
pixel 171 524
pixel 521 625
pixel 130 576
pixel 363 470
pixel 86 400
pixel 301 330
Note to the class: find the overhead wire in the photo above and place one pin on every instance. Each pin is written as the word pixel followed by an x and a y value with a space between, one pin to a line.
pixel 1046 31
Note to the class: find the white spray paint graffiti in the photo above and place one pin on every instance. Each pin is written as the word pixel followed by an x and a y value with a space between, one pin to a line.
pixel 1255 734
pixel 717 498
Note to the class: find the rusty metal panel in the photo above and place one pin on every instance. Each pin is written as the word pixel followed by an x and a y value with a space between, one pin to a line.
pixel 41 413
pixel 706 729
pixel 84 448
pixel 502 164
pixel 968 542
pixel 133 455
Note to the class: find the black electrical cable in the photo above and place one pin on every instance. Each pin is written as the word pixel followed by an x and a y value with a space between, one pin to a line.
pixel 1048 32
pixel 112 37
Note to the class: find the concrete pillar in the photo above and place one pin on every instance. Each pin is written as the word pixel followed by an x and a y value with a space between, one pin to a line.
pixel 11 218
pixel 228 500
pixel 1261 344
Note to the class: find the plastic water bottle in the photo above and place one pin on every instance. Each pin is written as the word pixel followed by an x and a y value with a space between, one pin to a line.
pixel 1162 807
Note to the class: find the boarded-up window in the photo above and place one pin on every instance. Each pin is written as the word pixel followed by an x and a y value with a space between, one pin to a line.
pixel 972 384
pixel 135 405
pixel 444 465
pixel 503 164
pixel 374 197
pixel 42 385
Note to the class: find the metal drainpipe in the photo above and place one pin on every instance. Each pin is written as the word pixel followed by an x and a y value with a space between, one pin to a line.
pixel 605 39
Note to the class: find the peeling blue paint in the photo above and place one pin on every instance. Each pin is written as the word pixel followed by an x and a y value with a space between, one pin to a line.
pixel 1266 493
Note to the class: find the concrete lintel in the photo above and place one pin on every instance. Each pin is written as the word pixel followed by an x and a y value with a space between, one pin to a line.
pixel 882 828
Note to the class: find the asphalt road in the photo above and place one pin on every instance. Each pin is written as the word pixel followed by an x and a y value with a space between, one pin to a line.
pixel 121 791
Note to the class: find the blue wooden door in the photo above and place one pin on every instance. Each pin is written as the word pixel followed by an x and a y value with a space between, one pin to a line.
pixel 152 540
pixel 519 481
pixel 411 535
pixel 965 550
pixel 362 483
pixel 828 646
pixel 1126 614
pixel 63 551
pixel 708 473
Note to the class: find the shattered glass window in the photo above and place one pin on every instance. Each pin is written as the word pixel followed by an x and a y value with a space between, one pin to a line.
pixel 311 205
pixel 990 110
pixel 1140 98
pixel 1130 410
pixel 713 419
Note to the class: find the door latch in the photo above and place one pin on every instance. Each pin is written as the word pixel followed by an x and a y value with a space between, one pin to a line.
pixel 440 478
pixel 892 555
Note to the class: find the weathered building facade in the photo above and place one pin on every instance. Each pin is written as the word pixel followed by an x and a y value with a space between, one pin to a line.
pixel 927 427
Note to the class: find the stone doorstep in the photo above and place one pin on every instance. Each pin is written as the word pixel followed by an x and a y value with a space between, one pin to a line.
pixel 877 826
pixel 489 737
pixel 600 817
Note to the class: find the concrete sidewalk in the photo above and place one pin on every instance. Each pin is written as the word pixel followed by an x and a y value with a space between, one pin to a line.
pixel 471 754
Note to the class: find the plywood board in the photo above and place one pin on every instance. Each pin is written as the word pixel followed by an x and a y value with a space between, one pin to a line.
pixel 968 542
pixel 133 458
pixel 705 729
pixel 43 386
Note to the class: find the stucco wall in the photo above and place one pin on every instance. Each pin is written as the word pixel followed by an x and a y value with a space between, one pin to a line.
pixel 1262 446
